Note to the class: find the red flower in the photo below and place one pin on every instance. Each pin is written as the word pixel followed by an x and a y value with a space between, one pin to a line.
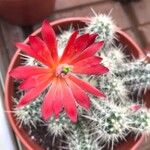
pixel 59 73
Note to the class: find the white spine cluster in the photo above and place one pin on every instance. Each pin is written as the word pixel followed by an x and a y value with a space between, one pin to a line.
pixel 29 61
pixel 113 58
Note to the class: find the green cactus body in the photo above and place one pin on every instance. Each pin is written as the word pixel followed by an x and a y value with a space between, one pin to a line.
pixel 80 139
pixel 29 114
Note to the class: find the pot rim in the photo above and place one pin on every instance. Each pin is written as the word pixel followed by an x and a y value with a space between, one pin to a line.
pixel 54 23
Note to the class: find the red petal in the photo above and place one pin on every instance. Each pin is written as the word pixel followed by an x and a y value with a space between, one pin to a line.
pixel 58 95
pixel 52 101
pixel 79 45
pixel 41 50
pixel 91 70
pixel 81 42
pixel 47 106
pixel 79 94
pixel 88 52
pixel 69 47
pixel 32 94
pixel 90 66
pixel 87 87
pixel 92 39
pixel 33 81
pixel 26 48
pixel 84 41
pixel 49 37
pixel 91 61
pixel 23 72
pixel 69 102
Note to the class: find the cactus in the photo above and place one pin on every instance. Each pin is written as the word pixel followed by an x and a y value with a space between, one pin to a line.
pixel 108 121
pixel 80 139
pixel 136 76
pixel 29 114
pixel 115 90
pixel 58 127
pixel 113 58
pixel 104 26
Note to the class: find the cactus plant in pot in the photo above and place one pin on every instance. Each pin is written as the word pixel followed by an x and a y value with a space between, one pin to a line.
pixel 98 73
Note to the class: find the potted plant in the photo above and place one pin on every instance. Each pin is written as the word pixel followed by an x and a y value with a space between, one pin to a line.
pixel 24 12
pixel 108 98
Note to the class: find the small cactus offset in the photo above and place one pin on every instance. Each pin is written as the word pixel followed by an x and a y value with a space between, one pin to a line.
pixel 73 84
pixel 136 75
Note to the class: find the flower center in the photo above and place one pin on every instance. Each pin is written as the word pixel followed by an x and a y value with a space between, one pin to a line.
pixel 63 70
pixel 66 70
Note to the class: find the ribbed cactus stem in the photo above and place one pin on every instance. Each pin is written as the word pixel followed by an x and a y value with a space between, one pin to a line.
pixel 80 139
pixel 135 74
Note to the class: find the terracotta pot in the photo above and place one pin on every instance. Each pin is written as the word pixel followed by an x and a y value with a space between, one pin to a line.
pixel 133 49
pixel 25 12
